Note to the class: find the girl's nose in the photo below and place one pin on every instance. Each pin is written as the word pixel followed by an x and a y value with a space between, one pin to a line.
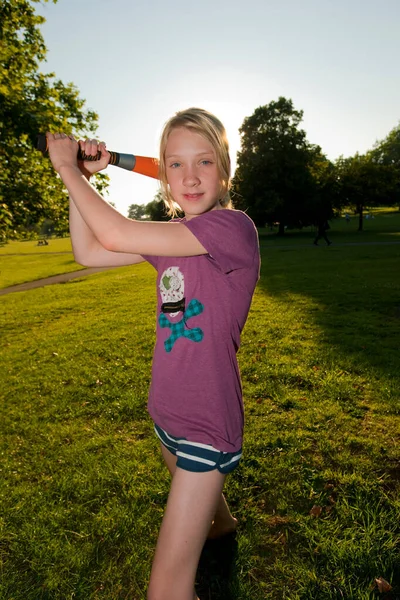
pixel 190 178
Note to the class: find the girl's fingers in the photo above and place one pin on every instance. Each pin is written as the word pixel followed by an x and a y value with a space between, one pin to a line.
pixel 59 136
pixel 104 151
pixel 92 147
pixel 55 137
pixel 62 150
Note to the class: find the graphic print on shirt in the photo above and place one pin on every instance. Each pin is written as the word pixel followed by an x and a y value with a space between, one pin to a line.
pixel 172 290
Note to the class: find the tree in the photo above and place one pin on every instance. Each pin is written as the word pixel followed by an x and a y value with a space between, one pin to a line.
pixel 387 151
pixel 365 182
pixel 137 211
pixel 273 177
pixel 153 211
pixel 32 102
pixel 320 205
pixel 156 209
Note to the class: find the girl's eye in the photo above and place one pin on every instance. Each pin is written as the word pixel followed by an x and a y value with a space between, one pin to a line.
pixel 206 162
pixel 174 165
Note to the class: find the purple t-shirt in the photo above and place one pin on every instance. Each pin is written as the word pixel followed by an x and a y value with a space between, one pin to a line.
pixel 203 303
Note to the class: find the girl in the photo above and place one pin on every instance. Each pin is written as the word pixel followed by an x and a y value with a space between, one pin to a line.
pixel 208 266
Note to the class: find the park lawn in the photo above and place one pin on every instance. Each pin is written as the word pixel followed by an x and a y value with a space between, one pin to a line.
pixel 26 261
pixel 31 247
pixel 384 227
pixel 317 493
pixel 56 258
pixel 20 269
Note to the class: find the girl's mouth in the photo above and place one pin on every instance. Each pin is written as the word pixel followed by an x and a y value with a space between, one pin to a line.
pixel 193 196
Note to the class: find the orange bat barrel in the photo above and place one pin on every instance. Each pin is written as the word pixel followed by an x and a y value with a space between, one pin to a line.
pixel 146 166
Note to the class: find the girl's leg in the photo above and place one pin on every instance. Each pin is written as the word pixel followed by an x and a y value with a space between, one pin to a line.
pixel 223 521
pixel 192 503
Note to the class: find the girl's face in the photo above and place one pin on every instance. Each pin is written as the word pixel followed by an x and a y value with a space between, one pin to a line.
pixel 192 172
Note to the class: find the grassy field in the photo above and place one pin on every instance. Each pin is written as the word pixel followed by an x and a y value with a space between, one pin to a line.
pixel 383 227
pixel 26 261
pixel 317 494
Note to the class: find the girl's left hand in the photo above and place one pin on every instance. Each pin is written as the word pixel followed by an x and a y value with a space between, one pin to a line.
pixel 63 150
pixel 92 148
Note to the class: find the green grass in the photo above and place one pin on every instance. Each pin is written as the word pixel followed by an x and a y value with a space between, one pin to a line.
pixel 82 484
pixel 31 247
pixel 384 227
pixel 26 261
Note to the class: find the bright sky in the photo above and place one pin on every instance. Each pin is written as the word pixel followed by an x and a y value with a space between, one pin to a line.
pixel 137 63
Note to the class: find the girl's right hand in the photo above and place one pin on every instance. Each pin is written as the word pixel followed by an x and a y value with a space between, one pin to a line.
pixel 91 148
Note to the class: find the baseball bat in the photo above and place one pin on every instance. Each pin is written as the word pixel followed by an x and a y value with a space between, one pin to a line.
pixel 138 164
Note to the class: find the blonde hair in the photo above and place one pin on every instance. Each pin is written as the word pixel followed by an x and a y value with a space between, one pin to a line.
pixel 206 124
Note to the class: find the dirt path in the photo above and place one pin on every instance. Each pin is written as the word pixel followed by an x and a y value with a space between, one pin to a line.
pixel 31 285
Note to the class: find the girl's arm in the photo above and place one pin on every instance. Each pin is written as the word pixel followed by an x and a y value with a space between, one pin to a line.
pixel 113 231
pixel 87 249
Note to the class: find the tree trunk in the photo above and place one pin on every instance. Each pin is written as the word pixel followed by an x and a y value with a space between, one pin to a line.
pixel 360 217
pixel 281 230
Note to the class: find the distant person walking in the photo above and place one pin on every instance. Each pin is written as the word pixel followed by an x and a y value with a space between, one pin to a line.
pixel 323 227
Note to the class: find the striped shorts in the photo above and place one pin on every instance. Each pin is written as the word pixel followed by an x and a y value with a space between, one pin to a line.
pixel 196 457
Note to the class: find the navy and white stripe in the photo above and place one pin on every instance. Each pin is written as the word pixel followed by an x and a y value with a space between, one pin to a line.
pixel 197 457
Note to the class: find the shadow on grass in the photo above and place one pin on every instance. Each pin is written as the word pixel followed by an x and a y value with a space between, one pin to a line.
pixel 216 572
pixel 351 295
pixel 383 228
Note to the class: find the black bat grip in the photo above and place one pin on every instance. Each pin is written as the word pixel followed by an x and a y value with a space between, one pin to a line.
pixel 43 147
pixel 124 161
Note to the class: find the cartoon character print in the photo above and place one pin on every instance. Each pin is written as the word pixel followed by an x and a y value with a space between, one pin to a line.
pixel 172 290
